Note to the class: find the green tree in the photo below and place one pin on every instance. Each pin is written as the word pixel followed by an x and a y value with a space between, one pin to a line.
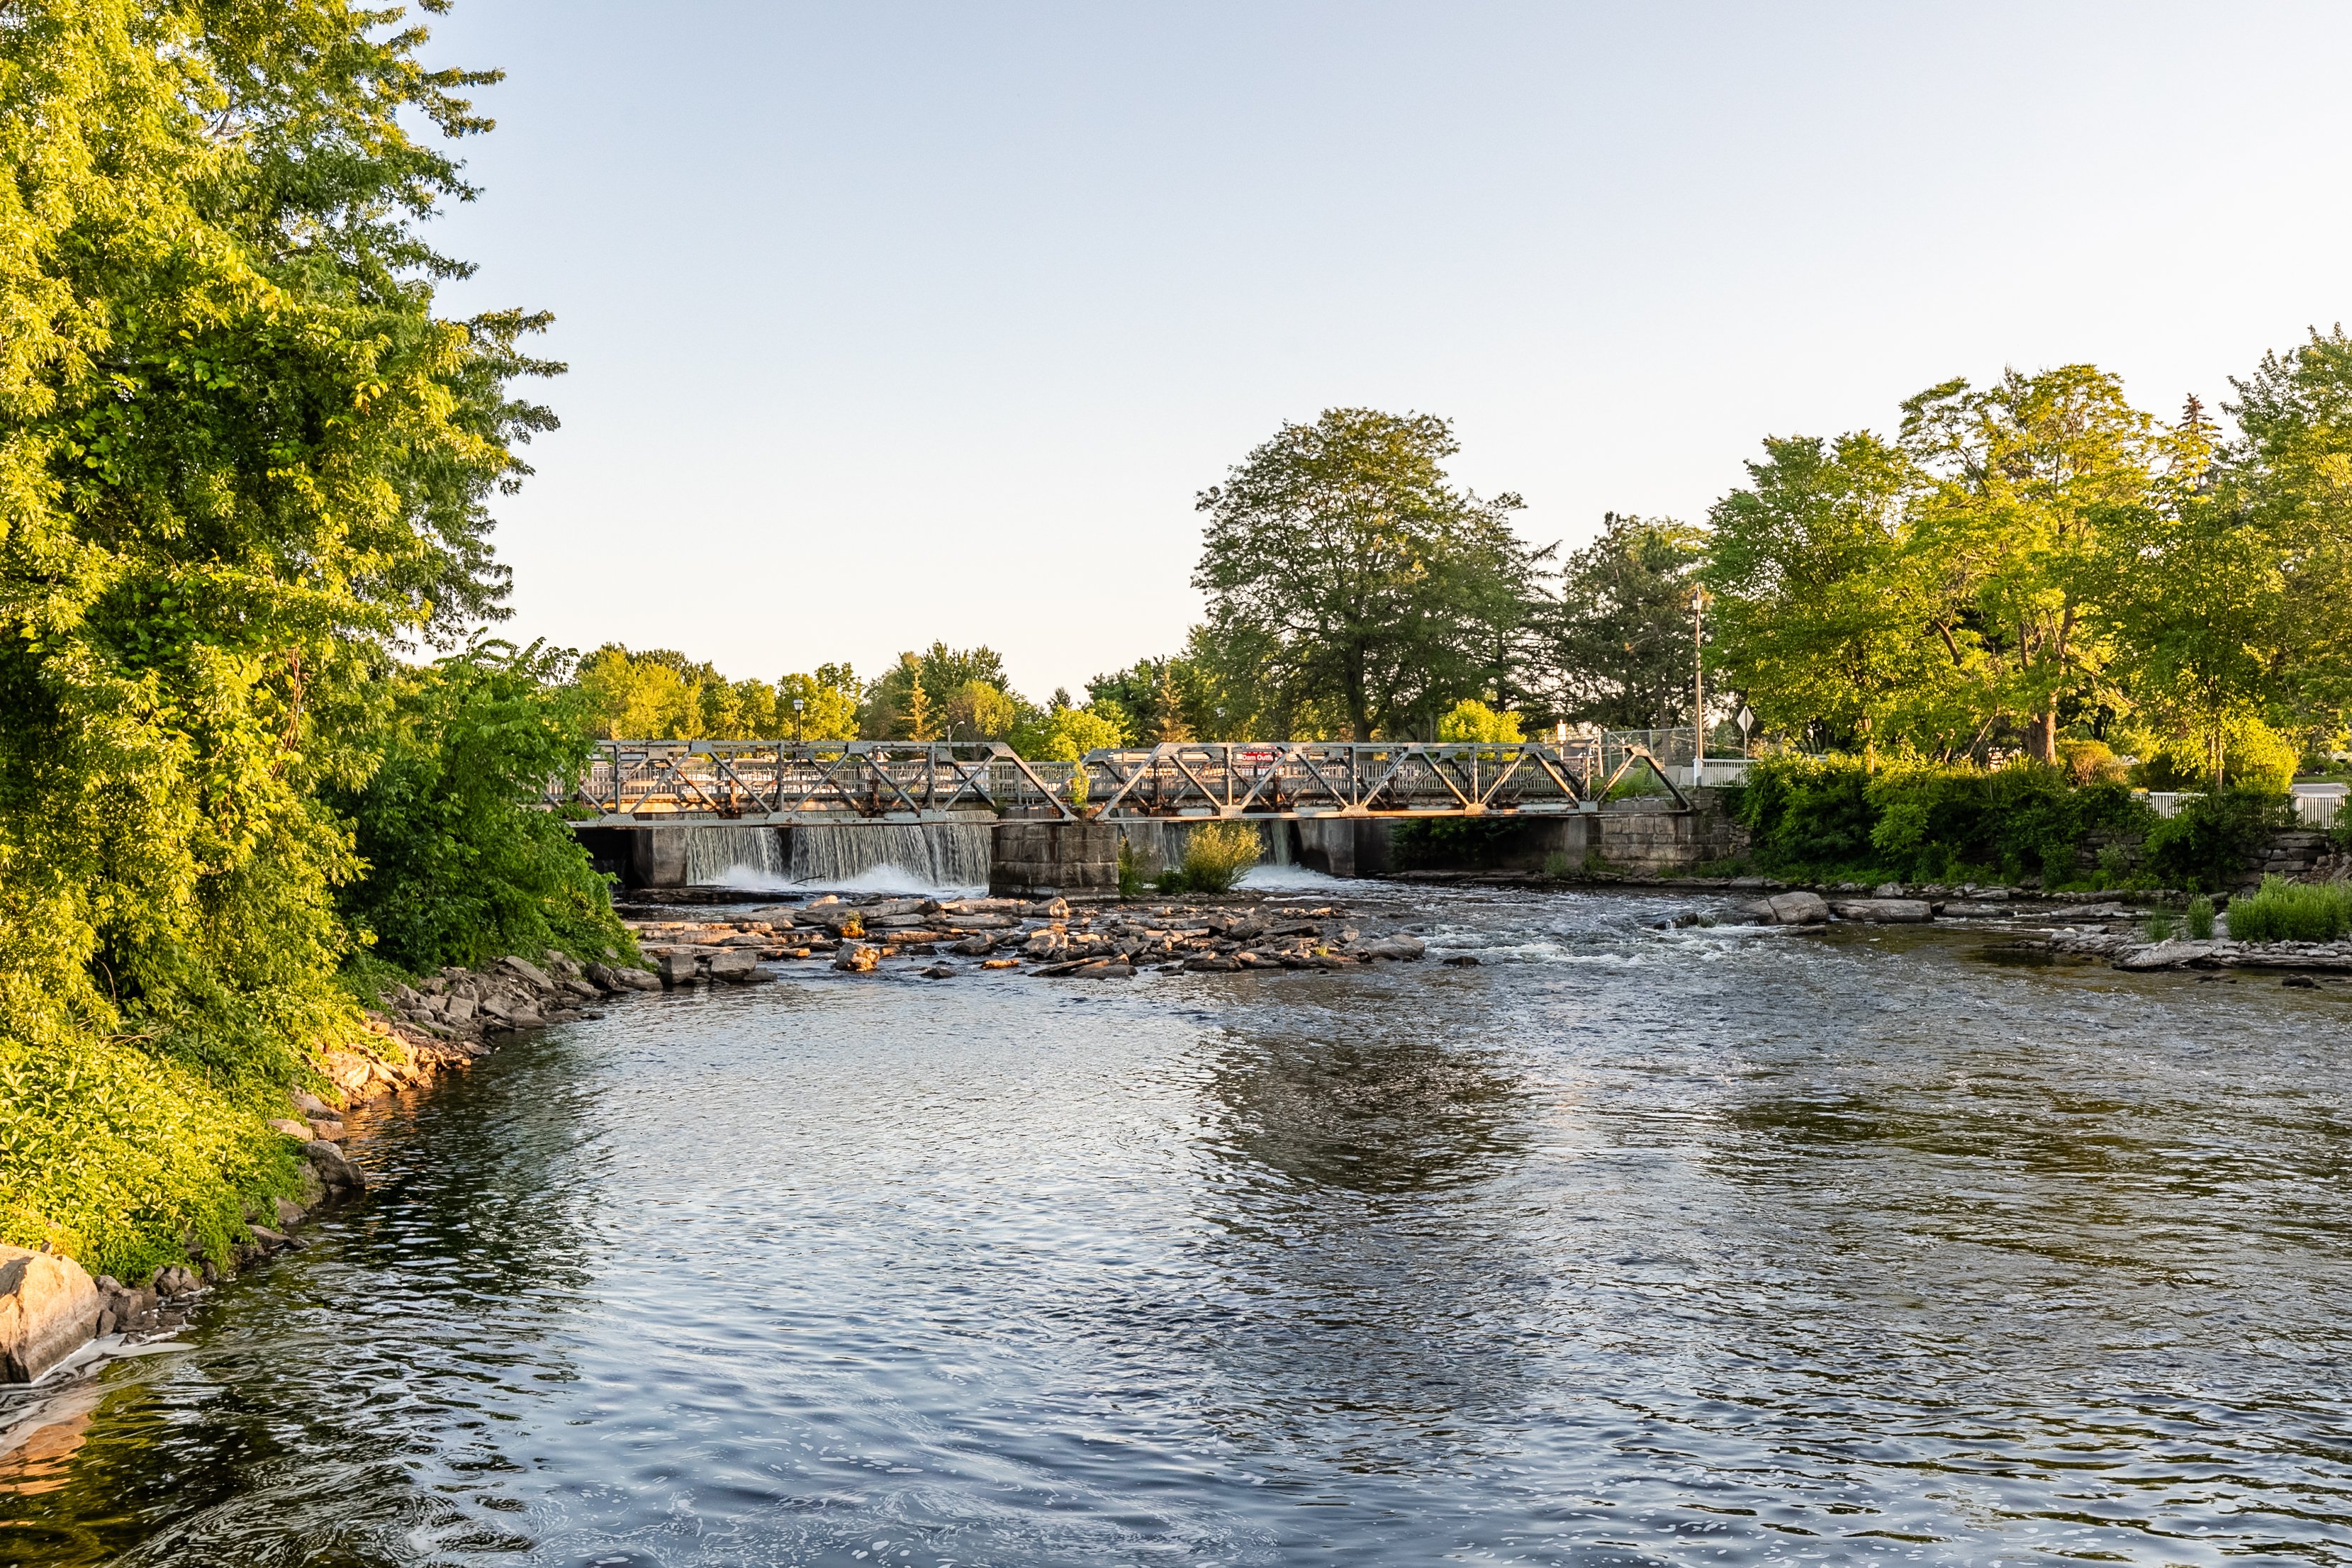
pixel 939 672
pixel 461 864
pixel 1614 649
pixel 1066 735
pixel 979 711
pixel 1822 615
pixel 245 462
pixel 1342 569
pixel 1162 700
pixel 1471 719
pixel 829 698
pixel 2021 476
pixel 2290 472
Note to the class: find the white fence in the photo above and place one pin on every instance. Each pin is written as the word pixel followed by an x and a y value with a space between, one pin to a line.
pixel 2311 808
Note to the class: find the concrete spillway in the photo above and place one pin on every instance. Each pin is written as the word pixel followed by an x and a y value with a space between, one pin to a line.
pixel 1033 855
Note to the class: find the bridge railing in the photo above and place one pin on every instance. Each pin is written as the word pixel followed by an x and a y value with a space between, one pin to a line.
pixel 864 779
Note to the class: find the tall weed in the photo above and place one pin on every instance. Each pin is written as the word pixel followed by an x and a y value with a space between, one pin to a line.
pixel 2281 910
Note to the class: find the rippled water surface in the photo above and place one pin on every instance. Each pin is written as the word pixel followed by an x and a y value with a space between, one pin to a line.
pixel 1626 1247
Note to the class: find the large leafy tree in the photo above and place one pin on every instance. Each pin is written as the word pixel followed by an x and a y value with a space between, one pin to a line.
pixel 2289 474
pixel 241 459
pixel 2021 476
pixel 1822 617
pixel 1614 649
pixel 909 701
pixel 1344 572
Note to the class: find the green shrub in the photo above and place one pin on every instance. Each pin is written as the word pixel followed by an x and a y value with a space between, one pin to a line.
pixel 2159 926
pixel 2200 918
pixel 1217 854
pixel 1928 822
pixel 462 866
pixel 2281 910
pixel 2211 839
pixel 1134 872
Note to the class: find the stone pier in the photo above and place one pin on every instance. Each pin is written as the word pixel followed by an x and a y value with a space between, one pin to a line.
pixel 1043 859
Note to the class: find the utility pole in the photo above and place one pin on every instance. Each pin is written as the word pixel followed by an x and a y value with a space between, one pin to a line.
pixel 1698 688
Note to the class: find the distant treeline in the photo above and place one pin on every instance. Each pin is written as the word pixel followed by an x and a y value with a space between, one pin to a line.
pixel 2036 568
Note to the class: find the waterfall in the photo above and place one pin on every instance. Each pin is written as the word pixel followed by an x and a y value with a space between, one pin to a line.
pixel 894 856
pixel 734 857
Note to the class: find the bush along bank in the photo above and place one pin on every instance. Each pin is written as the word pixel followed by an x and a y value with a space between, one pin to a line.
pixel 1827 818
pixel 53 1310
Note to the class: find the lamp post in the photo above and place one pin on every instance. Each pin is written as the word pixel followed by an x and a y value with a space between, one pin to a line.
pixel 1698 690
pixel 798 703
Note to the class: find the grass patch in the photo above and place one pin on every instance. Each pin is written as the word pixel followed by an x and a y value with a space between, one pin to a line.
pixel 126 1160
pixel 2281 910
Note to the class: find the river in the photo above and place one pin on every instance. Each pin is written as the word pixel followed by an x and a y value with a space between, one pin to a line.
pixel 1624 1247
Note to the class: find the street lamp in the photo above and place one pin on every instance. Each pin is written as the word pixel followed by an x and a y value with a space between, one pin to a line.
pixel 798 703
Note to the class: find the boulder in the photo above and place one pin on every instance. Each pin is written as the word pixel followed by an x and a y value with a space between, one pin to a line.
pixel 857 958
pixel 334 1166
pixel 1398 948
pixel 1895 911
pixel 735 966
pixel 310 1104
pixel 48 1310
pixel 524 970
pixel 1798 908
pixel 680 969
pixel 297 1130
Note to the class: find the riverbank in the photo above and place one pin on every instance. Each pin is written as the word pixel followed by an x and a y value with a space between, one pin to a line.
pixel 54 1316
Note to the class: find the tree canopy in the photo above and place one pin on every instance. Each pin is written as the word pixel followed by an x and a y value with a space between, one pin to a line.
pixel 1345 573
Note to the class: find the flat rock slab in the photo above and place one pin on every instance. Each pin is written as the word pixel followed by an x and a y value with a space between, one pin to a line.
pixel 1886 911
pixel 2172 954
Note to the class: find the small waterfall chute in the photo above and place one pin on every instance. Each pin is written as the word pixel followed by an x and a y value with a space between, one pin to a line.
pixel 894 856
pixel 735 857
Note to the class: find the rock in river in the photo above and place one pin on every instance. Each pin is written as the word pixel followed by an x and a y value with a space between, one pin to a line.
pixel 1898 912
pixel 48 1310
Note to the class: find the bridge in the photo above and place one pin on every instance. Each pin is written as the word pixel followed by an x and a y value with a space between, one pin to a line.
pixel 639 784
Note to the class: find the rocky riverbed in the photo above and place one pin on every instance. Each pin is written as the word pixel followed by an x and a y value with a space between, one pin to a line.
pixel 1051 938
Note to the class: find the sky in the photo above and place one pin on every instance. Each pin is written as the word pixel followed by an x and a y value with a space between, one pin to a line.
pixel 894 322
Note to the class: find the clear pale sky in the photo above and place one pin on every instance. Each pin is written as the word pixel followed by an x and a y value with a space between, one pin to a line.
pixel 889 322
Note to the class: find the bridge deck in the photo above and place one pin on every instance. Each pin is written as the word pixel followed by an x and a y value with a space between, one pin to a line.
pixel 639 784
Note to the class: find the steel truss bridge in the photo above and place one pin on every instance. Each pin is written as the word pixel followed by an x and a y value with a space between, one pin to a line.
pixel 639 784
